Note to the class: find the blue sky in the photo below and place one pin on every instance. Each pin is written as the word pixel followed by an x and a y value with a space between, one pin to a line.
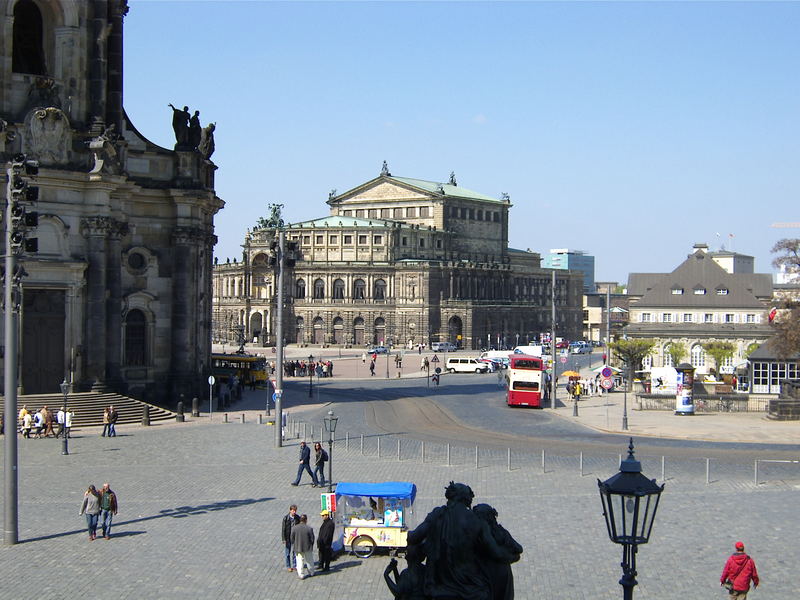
pixel 628 130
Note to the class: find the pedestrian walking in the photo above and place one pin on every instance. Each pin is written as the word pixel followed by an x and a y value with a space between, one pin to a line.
pixel 739 571
pixel 364 358
pixel 305 460
pixel 91 508
pixel 38 424
pixel 325 541
pixel 113 415
pixel 105 422
pixel 108 508
pixel 320 458
pixel 48 422
pixel 372 367
pixel 289 521
pixel 303 545
pixel 27 422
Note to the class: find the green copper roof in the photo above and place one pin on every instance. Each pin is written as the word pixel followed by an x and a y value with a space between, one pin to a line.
pixel 446 188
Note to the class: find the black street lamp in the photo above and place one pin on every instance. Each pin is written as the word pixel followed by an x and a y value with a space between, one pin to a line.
pixel 330 421
pixel 64 443
pixel 630 501
pixel 310 376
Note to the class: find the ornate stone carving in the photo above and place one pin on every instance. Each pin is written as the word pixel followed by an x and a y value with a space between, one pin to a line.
pixel 96 226
pixel 206 146
pixel 188 235
pixel 106 158
pixel 48 135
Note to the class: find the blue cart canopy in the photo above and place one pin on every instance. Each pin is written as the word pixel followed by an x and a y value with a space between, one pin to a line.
pixel 387 489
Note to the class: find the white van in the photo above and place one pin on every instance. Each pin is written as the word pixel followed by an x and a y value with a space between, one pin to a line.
pixel 536 350
pixel 443 347
pixel 466 365
pixel 496 354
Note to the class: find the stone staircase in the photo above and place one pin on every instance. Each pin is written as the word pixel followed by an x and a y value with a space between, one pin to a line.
pixel 89 406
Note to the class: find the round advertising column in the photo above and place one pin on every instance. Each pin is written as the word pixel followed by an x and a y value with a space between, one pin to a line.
pixel 684 401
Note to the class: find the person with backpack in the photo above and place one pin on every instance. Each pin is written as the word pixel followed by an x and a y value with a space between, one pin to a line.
pixel 320 458
pixel 739 571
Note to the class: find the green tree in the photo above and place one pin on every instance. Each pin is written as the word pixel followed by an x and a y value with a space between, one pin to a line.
pixel 786 323
pixel 719 351
pixel 631 353
pixel 676 351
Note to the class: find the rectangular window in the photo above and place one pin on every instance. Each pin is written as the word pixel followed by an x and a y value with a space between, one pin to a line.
pixel 480 215
pixel 439 244
pixel 424 211
pixel 699 291
pixel 372 213
pixel 404 241
pixel 307 240
pixel 421 242
pixel 472 214
pixel 666 317
pixel 722 292
pixel 677 291
pixel 348 213
pixel 362 239
pixel 496 217
pixel 750 318
pixel 360 213
pixel 708 318
pixel 688 317
pixel 411 212
pixel 377 240
pixel 398 213
pixel 333 239
pixel 645 317
pixel 348 239
pixel 729 317
pixel 319 239
pixel 386 213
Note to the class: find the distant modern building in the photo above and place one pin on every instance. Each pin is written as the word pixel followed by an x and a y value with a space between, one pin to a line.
pixel 605 315
pixel 572 260
pixel 398 261
pixel 708 297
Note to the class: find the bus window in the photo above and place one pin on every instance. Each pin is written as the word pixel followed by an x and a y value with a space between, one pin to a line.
pixel 526 385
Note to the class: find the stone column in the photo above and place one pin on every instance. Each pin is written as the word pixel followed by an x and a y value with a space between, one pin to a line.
pixel 114 305
pixel 95 230
pixel 183 301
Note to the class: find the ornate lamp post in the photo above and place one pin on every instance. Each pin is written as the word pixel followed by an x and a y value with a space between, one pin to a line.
pixel 310 376
pixel 630 501
pixel 330 421
pixel 64 443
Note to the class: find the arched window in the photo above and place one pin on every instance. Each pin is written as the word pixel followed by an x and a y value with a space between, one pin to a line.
pixel 338 289
pixel 667 356
pixel 698 356
pixel 135 338
pixel 319 289
pixel 28 36
pixel 300 289
pixel 379 292
pixel 359 289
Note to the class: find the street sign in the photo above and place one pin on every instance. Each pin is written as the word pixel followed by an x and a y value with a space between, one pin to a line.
pixel 435 358
pixel 438 370
pixel 607 383
pixel 606 372
pixel 276 396
pixel 211 380
pixel 458 337
pixel 563 360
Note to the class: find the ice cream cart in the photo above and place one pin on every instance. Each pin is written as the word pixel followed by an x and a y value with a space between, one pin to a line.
pixel 375 515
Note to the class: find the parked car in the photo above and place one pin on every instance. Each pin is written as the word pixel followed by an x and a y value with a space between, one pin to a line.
pixel 562 344
pixel 378 350
pixel 443 347
pixel 466 365
pixel 580 348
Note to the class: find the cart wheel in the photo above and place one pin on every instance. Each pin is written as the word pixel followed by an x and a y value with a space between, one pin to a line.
pixel 363 546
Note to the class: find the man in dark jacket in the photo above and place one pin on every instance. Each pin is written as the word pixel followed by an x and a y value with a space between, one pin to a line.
pixel 289 521
pixel 303 546
pixel 305 459
pixel 740 569
pixel 325 541
pixel 108 508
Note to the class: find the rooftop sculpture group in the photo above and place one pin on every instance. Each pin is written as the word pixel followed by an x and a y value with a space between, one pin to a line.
pixel 189 135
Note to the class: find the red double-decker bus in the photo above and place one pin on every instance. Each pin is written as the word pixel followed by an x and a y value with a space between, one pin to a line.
pixel 525 377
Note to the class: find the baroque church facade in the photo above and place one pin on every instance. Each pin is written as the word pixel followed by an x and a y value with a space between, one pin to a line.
pixel 118 295
pixel 398 261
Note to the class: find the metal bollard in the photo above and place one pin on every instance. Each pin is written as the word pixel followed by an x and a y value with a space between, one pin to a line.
pixel 423 451
pixel 448 454
pixel 304 430
pixel 476 457
pixel 347 441
pixel 225 418
pixel 509 460
pixel 544 468
pixel 398 450
pixel 755 477
pixel 708 471
pixel 581 462
pixel 379 447
pixel 362 444
pixel 242 417
pixel 179 417
pixel 311 437
pixel 146 415
pixel 259 418
pixel 663 470
pixel 195 407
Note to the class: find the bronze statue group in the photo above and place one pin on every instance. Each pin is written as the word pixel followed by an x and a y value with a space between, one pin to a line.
pixel 466 553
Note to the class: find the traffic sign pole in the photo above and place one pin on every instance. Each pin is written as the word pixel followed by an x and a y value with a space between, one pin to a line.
pixel 211 381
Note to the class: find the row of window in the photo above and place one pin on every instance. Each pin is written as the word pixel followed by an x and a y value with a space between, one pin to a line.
pixel 473 214
pixel 359 290
pixel 697 357
pixel 363 240
pixel 647 317
pixel 409 212
pixel 700 291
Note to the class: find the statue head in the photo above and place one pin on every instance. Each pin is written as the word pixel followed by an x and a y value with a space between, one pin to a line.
pixel 485 513
pixel 459 493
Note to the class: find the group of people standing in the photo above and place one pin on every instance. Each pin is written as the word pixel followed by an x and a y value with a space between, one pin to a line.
pixel 99 507
pixel 42 422
pixel 302 368
pixel 110 416
pixel 298 541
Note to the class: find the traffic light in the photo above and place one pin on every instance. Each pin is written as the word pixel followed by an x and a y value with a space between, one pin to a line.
pixel 21 196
